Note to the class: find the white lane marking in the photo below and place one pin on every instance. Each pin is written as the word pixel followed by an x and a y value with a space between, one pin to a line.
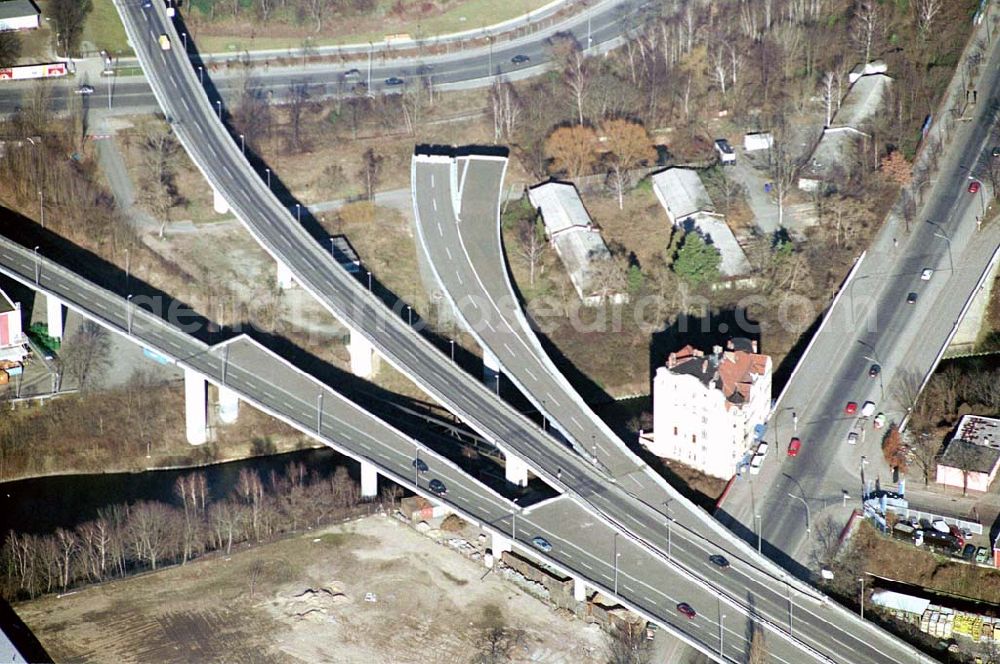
pixel 435 203
pixel 490 325
pixel 448 251
pixel 552 398
pixel 509 349
pixel 460 282
pixel 440 232
pixel 432 180
pixel 575 421
pixel 533 376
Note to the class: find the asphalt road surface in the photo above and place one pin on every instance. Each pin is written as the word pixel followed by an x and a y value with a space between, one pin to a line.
pixel 217 156
pixel 458 69
pixel 583 544
pixel 873 323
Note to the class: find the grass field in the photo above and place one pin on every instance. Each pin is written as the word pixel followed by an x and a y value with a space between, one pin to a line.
pixel 242 34
pixel 105 30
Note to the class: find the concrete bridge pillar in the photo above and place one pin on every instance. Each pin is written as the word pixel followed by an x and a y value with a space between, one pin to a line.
pixel 369 480
pixel 498 544
pixel 229 405
pixel 219 203
pixel 364 360
pixel 491 370
pixel 195 407
pixel 284 276
pixel 54 316
pixel 515 470
pixel 579 589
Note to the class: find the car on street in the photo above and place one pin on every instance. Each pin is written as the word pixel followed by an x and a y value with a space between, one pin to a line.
pixel 438 487
pixel 911 298
pixel 755 463
pixel 762 449
pixel 868 409
pixel 520 59
pixel 974 187
pixel 541 544
pixel 879 421
pixel 926 274
pixel 84 90
pixel 794 446
pixel 420 465
pixel 164 42
pixel 352 75
pixel 852 438
pixel 874 370
pixel 969 552
pixel 719 561
pixel 393 81
pixel 851 408
pixel 686 609
pixel 650 631
pixel 982 554
pixel 996 151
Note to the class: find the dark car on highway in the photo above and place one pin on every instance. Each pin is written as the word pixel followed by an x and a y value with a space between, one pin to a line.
pixel 393 81
pixel 686 609
pixel 719 561
pixel 520 59
pixel 911 298
pixel 420 465
pixel 438 487
pixel 874 371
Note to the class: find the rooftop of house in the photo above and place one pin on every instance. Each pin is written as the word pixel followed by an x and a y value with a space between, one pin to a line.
pixel 732 370
pixel 561 207
pixel 682 193
pixel 17 8
pixel 719 235
pixel 970 456
pixel 862 101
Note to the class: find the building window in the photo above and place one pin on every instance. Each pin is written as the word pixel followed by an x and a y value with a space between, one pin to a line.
pixel 675 431
pixel 694 438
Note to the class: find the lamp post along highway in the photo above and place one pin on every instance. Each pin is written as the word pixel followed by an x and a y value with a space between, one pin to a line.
pixel 41 207
pixel 268 171
pixel 951 264
pixel 722 633
pixel 757 516
pixel 38 266
pixel 201 74
pixel 319 412
pixel 128 313
pixel 218 104
pixel 452 343
pixel 371 50
pixel 862 604
pixel 808 519
pixel 243 144
pixel 616 560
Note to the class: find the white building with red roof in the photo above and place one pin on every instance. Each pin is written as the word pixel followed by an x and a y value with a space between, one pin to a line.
pixel 707 407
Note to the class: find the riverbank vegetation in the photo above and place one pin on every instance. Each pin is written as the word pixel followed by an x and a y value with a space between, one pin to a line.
pixel 127 539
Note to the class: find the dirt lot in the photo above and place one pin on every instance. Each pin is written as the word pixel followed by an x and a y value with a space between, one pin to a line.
pixel 428 603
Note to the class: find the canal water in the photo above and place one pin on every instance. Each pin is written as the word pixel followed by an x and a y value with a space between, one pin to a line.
pixel 40 505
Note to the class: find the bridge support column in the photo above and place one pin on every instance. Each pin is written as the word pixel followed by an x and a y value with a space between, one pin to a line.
pixel 284 277
pixel 229 405
pixel 219 203
pixel 579 589
pixel 491 370
pixel 498 544
pixel 369 480
pixel 195 407
pixel 515 470
pixel 364 361
pixel 54 316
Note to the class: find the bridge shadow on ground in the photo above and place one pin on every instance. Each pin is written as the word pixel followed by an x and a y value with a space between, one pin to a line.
pixel 431 424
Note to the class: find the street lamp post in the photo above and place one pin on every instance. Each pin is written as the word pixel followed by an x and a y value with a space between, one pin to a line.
pixel 722 619
pixel 41 206
pixel 951 265
pixel 369 281
pixel 184 36
pixel 127 266
pixel 128 313
pixel 319 413
pixel 513 521
pixel 38 266
pixel 218 104
pixel 409 315
pixel 268 171
pixel 757 516
pixel 862 580
pixel 201 74
pixel 243 144
pixel 452 342
pixel 617 555
pixel 803 501
pixel 371 50
pixel 874 359
pixel 298 212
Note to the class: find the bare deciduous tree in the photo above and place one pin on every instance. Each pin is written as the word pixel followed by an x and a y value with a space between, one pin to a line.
pixel 869 28
pixel 506 108
pixel 926 11
pixel 628 146
pixel 627 644
pixel 371 172
pixel 86 356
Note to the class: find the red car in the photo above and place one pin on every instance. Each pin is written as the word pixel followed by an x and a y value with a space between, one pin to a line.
pixel 974 187
pixel 851 407
pixel 686 609
pixel 793 447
